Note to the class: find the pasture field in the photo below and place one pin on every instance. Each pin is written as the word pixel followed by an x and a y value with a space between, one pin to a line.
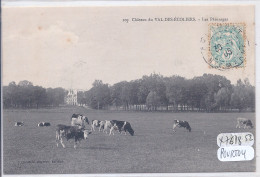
pixel 153 149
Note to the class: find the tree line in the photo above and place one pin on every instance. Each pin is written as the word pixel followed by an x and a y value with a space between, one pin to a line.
pixel 209 93
pixel 26 95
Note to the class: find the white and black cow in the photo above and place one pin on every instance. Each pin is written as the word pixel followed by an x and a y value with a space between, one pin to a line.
pixel 70 132
pixel 123 126
pixel 110 126
pixel 44 124
pixel 97 123
pixel 19 124
pixel 181 123
pixel 244 122
pixel 79 120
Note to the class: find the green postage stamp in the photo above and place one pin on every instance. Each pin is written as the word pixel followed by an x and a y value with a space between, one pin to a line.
pixel 227 45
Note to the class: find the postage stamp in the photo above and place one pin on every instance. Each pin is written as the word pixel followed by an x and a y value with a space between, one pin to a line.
pixel 226 45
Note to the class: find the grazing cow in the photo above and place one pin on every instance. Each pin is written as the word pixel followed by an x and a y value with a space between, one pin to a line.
pixel 123 126
pixel 97 123
pixel 110 126
pixel 70 132
pixel 18 124
pixel 44 124
pixel 181 123
pixel 244 122
pixel 79 120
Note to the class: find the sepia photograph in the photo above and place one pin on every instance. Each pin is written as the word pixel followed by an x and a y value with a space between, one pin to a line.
pixel 128 89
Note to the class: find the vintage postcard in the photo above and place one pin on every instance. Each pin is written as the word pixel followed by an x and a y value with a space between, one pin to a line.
pixel 128 89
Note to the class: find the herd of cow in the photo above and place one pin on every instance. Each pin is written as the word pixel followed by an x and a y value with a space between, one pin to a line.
pixel 77 130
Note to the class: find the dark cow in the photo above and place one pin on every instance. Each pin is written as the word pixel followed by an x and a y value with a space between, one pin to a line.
pixel 180 123
pixel 19 124
pixel 123 126
pixel 79 120
pixel 70 132
pixel 244 122
pixel 44 124
pixel 97 123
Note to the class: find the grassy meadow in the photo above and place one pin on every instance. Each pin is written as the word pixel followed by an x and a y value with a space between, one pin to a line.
pixel 153 149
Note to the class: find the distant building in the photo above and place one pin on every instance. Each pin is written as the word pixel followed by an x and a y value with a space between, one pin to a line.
pixel 72 97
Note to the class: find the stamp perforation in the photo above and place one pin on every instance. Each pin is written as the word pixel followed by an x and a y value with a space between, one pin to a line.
pixel 242 50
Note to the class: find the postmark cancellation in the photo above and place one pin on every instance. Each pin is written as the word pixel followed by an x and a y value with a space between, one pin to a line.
pixel 226 45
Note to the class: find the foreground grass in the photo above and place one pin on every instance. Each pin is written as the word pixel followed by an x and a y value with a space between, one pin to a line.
pixel 153 149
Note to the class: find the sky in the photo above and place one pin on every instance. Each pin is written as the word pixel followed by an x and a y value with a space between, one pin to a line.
pixel 71 47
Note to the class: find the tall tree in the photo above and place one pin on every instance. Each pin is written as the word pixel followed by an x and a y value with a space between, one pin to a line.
pixel 39 96
pixel 175 90
pixel 152 101
pixel 243 96
pixel 99 95
pixel 222 98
